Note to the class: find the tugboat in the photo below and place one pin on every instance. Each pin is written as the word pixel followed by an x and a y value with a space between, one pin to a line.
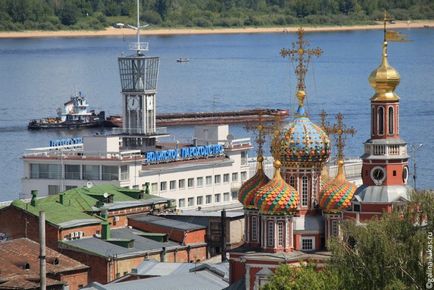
pixel 74 115
pixel 182 59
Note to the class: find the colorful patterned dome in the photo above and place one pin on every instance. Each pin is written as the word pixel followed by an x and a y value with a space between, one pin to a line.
pixel 303 140
pixel 336 195
pixel 249 189
pixel 276 197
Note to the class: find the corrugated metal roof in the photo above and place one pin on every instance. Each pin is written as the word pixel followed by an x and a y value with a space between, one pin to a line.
pixel 164 222
pixel 106 249
pixel 202 280
pixel 155 268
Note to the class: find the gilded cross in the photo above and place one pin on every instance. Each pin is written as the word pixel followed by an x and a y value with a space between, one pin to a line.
pixel 301 55
pixel 340 130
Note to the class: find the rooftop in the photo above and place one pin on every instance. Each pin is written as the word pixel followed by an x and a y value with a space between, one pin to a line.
pixel 20 264
pixel 106 248
pixel 164 222
pixel 79 204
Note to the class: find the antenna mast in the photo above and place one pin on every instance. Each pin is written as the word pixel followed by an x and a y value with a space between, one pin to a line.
pixel 140 47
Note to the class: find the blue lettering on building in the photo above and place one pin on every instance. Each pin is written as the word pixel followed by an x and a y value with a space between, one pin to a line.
pixel 184 153
pixel 66 141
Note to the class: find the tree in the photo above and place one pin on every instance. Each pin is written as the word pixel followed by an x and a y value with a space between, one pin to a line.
pixel 69 14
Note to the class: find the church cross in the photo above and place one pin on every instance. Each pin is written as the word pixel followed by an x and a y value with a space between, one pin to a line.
pixel 301 55
pixel 340 130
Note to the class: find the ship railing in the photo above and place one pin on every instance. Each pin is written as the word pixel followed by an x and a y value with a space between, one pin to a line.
pixel 139 46
pixel 65 154
pixel 140 131
pixel 237 143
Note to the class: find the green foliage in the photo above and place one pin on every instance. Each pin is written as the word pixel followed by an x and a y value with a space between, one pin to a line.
pixel 384 254
pixel 84 14
pixel 302 278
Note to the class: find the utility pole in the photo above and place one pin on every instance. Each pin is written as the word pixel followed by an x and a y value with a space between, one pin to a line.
pixel 414 149
pixel 42 254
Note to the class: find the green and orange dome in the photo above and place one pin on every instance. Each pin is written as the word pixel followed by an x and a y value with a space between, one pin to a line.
pixel 249 189
pixel 276 197
pixel 336 194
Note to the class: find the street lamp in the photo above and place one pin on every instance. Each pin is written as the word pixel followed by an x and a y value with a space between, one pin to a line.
pixel 414 148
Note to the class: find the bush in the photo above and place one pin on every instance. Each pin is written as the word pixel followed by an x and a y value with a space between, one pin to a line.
pixel 151 17
pixel 202 22
pixel 253 21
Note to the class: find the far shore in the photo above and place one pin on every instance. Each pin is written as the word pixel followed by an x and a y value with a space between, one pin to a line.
pixel 185 31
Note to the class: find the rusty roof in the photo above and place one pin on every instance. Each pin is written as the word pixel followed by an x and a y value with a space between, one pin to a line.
pixel 20 264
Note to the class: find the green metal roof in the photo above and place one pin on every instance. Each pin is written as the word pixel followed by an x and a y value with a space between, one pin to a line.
pixel 78 203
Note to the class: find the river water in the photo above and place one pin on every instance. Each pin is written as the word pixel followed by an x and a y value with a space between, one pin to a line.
pixel 225 72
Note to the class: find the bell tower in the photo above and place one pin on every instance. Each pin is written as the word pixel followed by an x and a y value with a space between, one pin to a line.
pixel 139 74
pixel 385 158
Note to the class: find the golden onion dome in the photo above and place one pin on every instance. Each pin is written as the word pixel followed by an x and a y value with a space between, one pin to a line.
pixel 336 194
pixel 384 80
pixel 276 197
pixel 249 189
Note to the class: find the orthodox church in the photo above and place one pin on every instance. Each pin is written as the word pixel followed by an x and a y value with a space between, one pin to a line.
pixel 290 217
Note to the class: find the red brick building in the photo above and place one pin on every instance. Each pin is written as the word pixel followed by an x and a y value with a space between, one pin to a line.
pixel 20 267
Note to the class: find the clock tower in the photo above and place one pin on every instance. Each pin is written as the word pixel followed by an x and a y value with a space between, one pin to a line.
pixel 138 74
pixel 385 159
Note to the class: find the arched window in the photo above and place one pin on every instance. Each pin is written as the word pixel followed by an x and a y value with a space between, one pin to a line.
pixel 292 181
pixel 380 121
pixel 391 119
pixel 270 234
pixel 304 193
pixel 372 121
pixel 254 228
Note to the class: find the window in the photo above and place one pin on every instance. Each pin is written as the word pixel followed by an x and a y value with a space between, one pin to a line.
pixel 280 234
pixel 356 207
pixel 270 234
pixel 307 244
pixel 110 172
pixel 154 187
pixel 234 176
pixel 181 202
pixel 181 183
pixel 172 184
pixel 163 186
pixel 190 182
pixel 380 121
pixel 45 171
pixel 254 228
pixel 234 195
pixel 226 178
pixel 68 187
pixel 390 120
pixel 199 200
pixel 208 180
pixel 334 228
pixel 199 182
pixel 244 158
pixel 124 172
pixel 243 176
pixel 191 201
pixel 72 171
pixel 292 181
pixel 217 197
pixel 226 196
pixel 208 198
pixel 304 191
pixel 53 189
pixel 372 121
pixel 91 172
pixel 217 179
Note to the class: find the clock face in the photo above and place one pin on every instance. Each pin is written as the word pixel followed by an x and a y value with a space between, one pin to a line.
pixel 405 174
pixel 378 175
pixel 133 103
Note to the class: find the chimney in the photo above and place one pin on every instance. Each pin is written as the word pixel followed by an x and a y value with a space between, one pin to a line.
pixel 43 265
pixel 105 226
pixel 33 200
pixel 163 255
pixel 223 233
pixel 62 198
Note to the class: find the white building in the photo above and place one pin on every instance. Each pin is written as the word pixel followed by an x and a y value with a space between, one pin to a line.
pixel 209 176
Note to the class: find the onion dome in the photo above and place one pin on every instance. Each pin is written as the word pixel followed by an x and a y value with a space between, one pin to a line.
pixel 384 80
pixel 336 195
pixel 303 140
pixel 325 178
pixel 249 189
pixel 276 197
